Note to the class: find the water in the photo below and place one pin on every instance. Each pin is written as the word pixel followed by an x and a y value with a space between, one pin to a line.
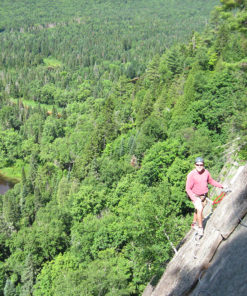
pixel 5 185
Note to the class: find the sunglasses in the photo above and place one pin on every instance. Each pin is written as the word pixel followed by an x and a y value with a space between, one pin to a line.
pixel 199 164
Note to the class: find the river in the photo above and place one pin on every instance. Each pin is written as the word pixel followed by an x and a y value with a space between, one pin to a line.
pixel 5 184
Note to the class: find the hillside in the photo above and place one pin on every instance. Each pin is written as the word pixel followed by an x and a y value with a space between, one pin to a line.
pixel 102 190
pixel 58 52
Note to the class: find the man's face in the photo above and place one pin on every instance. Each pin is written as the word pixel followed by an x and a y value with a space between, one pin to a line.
pixel 199 166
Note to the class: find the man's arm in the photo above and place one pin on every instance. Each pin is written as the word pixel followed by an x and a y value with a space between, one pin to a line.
pixel 189 186
pixel 213 182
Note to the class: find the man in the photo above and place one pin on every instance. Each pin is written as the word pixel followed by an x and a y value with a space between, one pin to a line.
pixel 197 189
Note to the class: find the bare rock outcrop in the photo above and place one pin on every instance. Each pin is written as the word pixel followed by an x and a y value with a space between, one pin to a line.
pixel 216 264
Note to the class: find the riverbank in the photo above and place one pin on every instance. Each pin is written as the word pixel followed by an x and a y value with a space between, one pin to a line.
pixel 13 174
pixel 8 176
pixel 6 183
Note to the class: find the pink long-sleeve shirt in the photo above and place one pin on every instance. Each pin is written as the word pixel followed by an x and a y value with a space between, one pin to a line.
pixel 197 183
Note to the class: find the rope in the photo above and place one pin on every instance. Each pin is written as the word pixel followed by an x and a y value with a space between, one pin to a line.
pixel 219 198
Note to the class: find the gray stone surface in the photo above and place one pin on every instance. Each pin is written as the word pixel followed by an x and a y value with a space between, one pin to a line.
pixel 227 272
pixel 232 208
pixel 217 263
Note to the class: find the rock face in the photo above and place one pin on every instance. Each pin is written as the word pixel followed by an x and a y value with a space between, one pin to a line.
pixel 216 264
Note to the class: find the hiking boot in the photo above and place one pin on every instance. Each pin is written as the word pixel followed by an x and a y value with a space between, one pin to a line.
pixel 200 231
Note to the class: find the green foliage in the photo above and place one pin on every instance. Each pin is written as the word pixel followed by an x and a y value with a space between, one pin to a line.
pixel 229 4
pixel 62 269
pixel 87 201
pixel 32 246
pixel 2 278
pixel 9 117
pixel 11 207
pixel 9 288
pixel 44 60
pixel 107 275
pixel 52 129
pixel 157 161
pixel 9 147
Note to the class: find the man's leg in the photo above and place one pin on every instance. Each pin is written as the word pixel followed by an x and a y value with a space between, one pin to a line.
pixel 194 222
pixel 199 217
pixel 199 209
pixel 195 217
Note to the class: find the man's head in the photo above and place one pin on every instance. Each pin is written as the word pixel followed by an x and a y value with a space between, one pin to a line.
pixel 199 164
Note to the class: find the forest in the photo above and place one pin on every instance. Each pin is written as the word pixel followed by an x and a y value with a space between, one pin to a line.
pixel 104 106
pixel 67 51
